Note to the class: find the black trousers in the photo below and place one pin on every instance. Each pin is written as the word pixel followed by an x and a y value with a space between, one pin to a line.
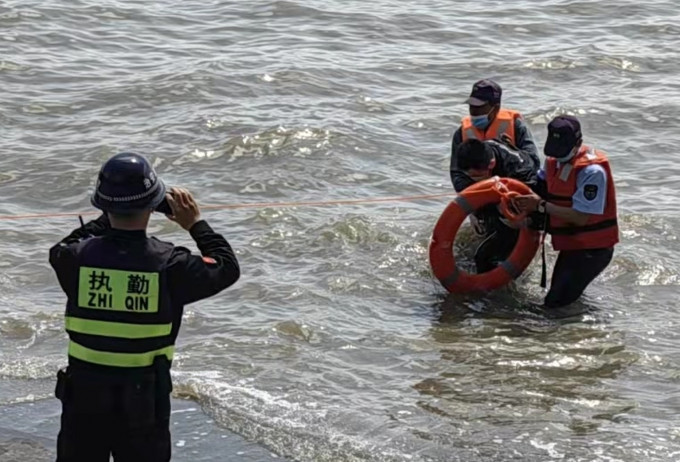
pixel 128 419
pixel 574 271
pixel 496 247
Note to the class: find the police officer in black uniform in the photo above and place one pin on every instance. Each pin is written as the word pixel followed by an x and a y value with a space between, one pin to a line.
pixel 126 293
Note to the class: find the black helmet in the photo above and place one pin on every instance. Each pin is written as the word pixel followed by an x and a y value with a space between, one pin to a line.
pixel 127 183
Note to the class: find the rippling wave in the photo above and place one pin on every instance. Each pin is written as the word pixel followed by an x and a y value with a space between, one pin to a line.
pixel 337 344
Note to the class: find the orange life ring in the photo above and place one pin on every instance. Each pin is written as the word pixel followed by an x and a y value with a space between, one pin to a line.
pixel 492 191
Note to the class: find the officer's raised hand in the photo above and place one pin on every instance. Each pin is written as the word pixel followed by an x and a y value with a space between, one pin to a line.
pixel 526 203
pixel 184 208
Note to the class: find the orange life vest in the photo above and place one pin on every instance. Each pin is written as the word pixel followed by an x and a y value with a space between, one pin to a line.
pixel 600 231
pixel 503 123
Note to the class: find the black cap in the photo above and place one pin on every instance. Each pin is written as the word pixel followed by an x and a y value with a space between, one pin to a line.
pixel 127 183
pixel 564 133
pixel 483 92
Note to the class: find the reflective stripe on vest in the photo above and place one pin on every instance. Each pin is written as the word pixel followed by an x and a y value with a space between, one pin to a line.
pixel 490 133
pixel 116 329
pixel 105 358
pixel 503 123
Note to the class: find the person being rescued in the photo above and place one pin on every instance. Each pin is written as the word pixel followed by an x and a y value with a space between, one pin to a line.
pixel 578 198
pixel 478 161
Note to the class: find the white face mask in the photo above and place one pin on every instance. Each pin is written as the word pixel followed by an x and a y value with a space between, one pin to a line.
pixel 568 157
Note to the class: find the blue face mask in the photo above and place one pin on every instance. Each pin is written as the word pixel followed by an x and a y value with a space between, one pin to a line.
pixel 481 121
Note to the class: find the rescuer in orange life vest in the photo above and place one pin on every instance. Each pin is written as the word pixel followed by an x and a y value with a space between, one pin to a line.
pixel 498 142
pixel 488 121
pixel 579 201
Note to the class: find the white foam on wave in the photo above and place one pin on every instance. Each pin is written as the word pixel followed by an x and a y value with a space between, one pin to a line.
pixel 300 429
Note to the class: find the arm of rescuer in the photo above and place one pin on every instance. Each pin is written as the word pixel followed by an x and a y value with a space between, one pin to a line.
pixel 589 198
pixel 194 277
pixel 511 163
pixel 514 163
pixel 459 179
pixel 62 258
pixel 525 142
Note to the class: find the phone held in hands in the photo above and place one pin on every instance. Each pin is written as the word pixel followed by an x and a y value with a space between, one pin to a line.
pixel 164 207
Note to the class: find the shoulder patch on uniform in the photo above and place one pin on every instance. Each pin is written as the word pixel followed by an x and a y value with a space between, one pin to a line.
pixel 210 261
pixel 590 191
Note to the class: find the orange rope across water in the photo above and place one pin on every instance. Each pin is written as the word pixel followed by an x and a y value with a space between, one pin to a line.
pixel 256 205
